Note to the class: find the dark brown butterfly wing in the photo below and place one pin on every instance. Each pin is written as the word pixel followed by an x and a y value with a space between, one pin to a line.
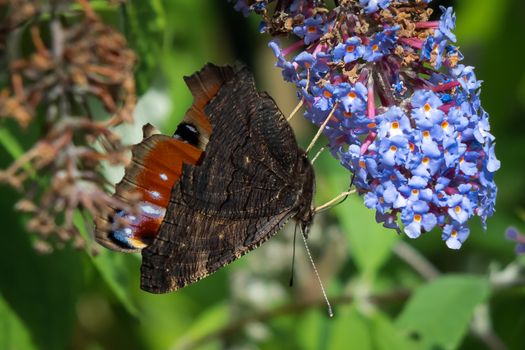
pixel 251 180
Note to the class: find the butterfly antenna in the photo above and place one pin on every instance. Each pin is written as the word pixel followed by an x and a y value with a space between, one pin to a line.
pixel 293 256
pixel 340 198
pixel 317 154
pixel 301 102
pixel 299 105
pixel 321 128
pixel 330 311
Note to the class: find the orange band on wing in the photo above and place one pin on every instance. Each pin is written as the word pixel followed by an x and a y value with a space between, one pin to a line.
pixel 156 167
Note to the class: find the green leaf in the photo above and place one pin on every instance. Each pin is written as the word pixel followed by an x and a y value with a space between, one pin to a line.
pixel 41 289
pixel 13 332
pixel 350 330
pixel 439 313
pixel 10 143
pixel 479 20
pixel 207 323
pixel 386 335
pixel 370 243
pixel 117 271
pixel 309 330
pixel 145 24
pixel 14 148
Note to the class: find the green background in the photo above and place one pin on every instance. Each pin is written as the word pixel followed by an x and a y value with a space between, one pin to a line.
pixel 388 292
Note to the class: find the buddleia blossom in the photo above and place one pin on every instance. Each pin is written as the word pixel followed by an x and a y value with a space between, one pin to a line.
pixel 399 110
pixel 514 235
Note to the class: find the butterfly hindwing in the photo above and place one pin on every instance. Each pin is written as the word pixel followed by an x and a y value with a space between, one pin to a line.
pixel 173 262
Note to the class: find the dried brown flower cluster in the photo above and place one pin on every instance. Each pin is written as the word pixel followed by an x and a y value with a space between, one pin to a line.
pixel 76 69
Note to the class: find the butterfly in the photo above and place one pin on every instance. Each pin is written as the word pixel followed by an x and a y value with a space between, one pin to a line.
pixel 228 179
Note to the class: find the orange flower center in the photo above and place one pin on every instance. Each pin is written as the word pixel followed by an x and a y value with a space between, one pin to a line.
pixel 327 94
pixel 427 107
pixel 417 218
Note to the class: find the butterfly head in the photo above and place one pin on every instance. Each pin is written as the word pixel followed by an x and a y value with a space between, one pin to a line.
pixel 305 214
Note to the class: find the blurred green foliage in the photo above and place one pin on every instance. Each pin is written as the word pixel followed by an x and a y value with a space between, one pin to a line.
pixel 70 299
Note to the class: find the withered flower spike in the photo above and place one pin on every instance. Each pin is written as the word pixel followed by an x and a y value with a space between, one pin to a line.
pixel 60 174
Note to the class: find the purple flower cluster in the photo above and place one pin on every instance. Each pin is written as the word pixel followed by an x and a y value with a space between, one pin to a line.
pixel 398 109
pixel 514 235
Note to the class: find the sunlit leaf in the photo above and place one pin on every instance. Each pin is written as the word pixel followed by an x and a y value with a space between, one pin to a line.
pixel 479 20
pixel 208 322
pixel 309 330
pixel 349 330
pixel 13 332
pixel 13 147
pixel 144 25
pixel 10 143
pixel 439 313
pixel 369 242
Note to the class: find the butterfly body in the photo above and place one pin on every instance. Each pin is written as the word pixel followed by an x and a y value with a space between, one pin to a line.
pixel 250 179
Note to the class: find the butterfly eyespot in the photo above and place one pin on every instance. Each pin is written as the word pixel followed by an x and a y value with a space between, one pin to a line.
pixel 187 133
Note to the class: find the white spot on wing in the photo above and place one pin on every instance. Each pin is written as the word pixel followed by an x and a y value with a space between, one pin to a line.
pixel 163 177
pixel 151 210
pixel 155 194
